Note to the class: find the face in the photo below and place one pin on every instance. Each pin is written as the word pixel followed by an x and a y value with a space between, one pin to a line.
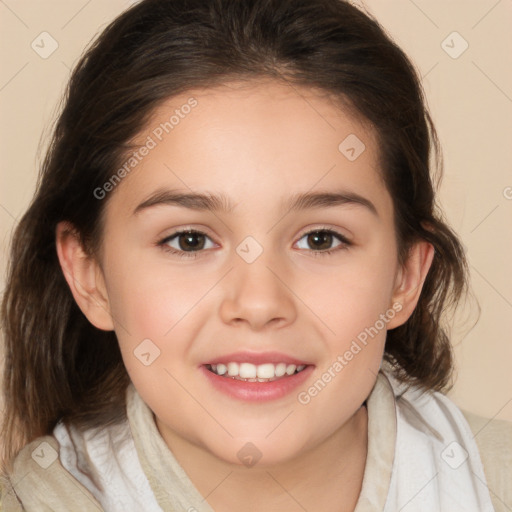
pixel 249 240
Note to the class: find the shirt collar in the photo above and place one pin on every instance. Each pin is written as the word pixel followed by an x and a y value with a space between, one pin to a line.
pixel 174 490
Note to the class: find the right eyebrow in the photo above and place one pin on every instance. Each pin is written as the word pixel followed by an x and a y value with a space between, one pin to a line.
pixel 193 201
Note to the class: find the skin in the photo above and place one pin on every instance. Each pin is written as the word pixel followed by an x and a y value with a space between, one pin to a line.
pixel 258 144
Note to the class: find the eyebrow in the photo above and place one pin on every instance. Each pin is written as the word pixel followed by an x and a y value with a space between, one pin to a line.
pixel 221 203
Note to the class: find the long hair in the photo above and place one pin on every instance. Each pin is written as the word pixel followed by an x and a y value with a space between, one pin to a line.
pixel 60 367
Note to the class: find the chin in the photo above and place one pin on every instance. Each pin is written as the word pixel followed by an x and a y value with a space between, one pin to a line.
pixel 256 451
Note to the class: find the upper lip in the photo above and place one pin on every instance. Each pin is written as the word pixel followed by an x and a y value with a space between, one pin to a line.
pixel 257 358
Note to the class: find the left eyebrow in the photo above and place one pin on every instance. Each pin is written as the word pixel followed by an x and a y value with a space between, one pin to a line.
pixel 328 199
pixel 221 203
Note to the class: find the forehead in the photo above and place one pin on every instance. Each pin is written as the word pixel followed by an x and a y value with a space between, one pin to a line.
pixel 261 139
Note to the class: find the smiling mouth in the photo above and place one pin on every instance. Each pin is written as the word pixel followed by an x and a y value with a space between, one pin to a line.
pixel 249 372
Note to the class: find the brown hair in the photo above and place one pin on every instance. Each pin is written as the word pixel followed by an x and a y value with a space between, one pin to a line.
pixel 59 366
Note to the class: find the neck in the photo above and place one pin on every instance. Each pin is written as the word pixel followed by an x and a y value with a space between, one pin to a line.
pixel 328 477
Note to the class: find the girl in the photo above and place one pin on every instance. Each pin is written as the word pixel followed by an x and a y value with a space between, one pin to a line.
pixel 227 292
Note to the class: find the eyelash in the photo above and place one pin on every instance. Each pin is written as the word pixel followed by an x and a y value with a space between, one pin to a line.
pixel 163 244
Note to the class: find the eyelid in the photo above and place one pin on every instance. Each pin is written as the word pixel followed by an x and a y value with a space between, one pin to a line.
pixel 185 229
pixel 332 229
pixel 343 242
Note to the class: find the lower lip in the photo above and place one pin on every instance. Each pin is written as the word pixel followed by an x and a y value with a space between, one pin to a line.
pixel 257 391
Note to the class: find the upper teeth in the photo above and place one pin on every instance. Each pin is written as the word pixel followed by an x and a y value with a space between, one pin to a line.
pixel 252 371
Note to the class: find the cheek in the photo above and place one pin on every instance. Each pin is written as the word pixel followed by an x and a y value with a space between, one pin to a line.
pixel 354 295
pixel 156 312
pixel 149 300
pixel 355 306
pixel 355 303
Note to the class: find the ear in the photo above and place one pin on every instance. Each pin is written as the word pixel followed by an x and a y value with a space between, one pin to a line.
pixel 409 282
pixel 84 277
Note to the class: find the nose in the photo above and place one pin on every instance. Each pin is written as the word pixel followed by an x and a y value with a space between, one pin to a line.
pixel 257 294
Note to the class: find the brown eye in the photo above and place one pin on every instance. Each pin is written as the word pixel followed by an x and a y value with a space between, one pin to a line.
pixel 321 241
pixel 189 241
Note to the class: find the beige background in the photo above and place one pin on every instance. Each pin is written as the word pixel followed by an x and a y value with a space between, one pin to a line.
pixel 470 98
